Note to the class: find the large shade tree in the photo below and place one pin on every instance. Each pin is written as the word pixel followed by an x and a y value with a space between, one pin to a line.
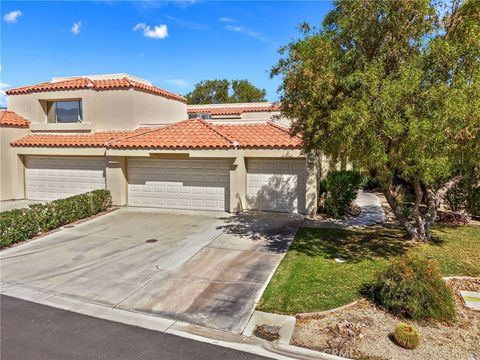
pixel 393 86
pixel 218 92
pixel 210 92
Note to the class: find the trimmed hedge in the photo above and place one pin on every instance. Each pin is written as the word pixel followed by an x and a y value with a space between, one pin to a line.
pixel 23 224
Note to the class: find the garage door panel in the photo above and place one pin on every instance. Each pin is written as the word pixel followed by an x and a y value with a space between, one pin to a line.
pixel 179 184
pixel 50 178
pixel 276 185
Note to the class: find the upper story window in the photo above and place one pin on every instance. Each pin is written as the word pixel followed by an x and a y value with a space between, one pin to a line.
pixel 69 111
pixel 199 115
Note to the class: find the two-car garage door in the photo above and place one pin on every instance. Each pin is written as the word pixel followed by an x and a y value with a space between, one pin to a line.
pixel 55 177
pixel 179 184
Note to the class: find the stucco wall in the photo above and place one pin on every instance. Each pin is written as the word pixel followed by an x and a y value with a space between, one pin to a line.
pixel 157 110
pixel 121 109
pixel 30 107
pixel 11 165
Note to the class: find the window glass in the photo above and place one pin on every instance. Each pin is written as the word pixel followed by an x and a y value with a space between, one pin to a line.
pixel 68 111
pixel 205 116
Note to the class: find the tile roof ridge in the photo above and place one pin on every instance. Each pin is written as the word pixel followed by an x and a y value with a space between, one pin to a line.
pixel 147 131
pixel 283 128
pixel 130 82
pixel 90 83
pixel 225 136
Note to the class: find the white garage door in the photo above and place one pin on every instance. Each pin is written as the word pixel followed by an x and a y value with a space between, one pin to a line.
pixel 179 184
pixel 276 185
pixel 55 177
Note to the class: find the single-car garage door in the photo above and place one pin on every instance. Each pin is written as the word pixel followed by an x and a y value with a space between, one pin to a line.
pixel 55 177
pixel 276 185
pixel 179 184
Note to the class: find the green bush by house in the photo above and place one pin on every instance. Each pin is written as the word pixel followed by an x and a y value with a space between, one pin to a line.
pixel 413 287
pixel 340 189
pixel 23 224
pixel 369 183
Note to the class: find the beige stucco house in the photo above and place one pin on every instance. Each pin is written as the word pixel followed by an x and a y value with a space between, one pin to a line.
pixel 145 145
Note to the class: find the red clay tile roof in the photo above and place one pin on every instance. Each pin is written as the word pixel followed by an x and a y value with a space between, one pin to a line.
pixel 233 110
pixel 188 134
pixel 11 119
pixel 99 139
pixel 102 84
pixel 267 135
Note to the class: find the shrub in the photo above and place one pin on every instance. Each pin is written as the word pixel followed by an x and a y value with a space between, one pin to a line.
pixel 369 183
pixel 465 196
pixel 340 190
pixel 472 203
pixel 407 336
pixel 413 287
pixel 23 224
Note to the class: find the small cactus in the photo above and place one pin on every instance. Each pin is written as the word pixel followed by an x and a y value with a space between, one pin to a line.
pixel 407 336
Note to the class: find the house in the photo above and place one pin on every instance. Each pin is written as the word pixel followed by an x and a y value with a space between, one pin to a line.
pixel 238 113
pixel 144 144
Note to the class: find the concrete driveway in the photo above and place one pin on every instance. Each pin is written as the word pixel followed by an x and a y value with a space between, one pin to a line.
pixel 208 269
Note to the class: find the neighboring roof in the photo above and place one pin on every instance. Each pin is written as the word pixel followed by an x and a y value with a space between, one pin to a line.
pixel 11 119
pixel 232 110
pixel 95 84
pixel 188 134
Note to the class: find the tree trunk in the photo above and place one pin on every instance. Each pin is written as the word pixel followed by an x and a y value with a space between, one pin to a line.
pixel 411 229
pixel 419 228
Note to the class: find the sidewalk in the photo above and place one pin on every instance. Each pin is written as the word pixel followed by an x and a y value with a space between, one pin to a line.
pixel 372 214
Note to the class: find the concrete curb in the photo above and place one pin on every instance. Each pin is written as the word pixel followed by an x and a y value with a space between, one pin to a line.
pixel 284 322
pixel 149 321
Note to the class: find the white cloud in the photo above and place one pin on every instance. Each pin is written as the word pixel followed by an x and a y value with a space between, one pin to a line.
pixel 3 95
pixel 248 32
pixel 12 16
pixel 226 19
pixel 158 31
pixel 76 28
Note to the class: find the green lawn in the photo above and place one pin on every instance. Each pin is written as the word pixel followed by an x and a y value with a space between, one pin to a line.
pixel 309 279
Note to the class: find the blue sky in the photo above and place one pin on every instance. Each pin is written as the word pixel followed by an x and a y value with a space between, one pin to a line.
pixel 174 44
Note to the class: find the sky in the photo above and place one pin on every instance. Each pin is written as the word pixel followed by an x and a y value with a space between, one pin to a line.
pixel 174 44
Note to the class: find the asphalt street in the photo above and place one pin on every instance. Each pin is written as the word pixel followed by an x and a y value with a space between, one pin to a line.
pixel 34 331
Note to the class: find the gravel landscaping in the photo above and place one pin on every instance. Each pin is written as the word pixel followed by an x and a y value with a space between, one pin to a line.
pixel 363 331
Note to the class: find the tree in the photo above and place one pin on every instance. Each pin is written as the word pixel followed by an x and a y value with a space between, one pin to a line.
pixel 394 86
pixel 245 92
pixel 210 92
pixel 217 91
